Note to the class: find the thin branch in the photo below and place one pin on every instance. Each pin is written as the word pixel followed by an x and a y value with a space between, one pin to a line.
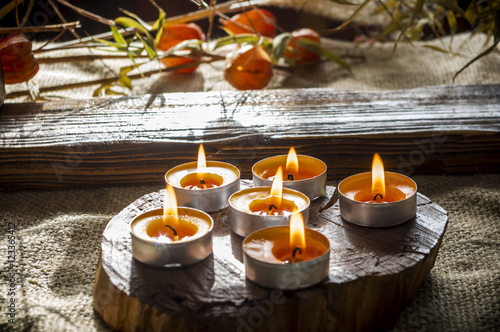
pixel 28 11
pixel 8 7
pixel 45 28
pixel 61 17
pixel 104 80
pixel 88 57
pixel 50 41
pixel 88 14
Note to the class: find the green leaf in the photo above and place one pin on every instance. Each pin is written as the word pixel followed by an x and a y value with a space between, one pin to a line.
pixel 279 46
pixel 190 44
pixel 436 48
pixel 415 13
pixel 115 45
pixel 126 82
pixel 318 49
pixel 118 37
pixel 150 49
pixel 452 22
pixel 131 23
pixel 356 12
pixel 390 28
pixel 107 89
pixel 471 13
pixel 238 39
pixel 448 5
pixel 159 22
pixel 477 57
pixel 158 25
pixel 138 19
pixel 343 2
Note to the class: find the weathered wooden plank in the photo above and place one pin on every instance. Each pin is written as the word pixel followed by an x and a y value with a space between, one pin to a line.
pixel 374 273
pixel 134 140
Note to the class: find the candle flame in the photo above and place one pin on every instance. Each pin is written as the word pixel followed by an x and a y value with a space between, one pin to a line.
pixel 170 213
pixel 292 162
pixel 378 176
pixel 297 231
pixel 202 160
pixel 277 188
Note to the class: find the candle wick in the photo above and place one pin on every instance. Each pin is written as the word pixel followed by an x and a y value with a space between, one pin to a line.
pixel 203 183
pixel 290 177
pixel 375 198
pixel 295 251
pixel 176 237
pixel 270 210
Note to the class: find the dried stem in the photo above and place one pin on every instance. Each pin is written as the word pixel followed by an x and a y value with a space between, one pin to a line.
pixel 80 58
pixel 45 28
pixel 28 11
pixel 61 17
pixel 104 80
pixel 88 14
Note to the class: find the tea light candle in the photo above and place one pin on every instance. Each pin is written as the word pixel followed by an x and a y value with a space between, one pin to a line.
pixel 172 236
pixel 205 185
pixel 378 198
pixel 285 257
pixel 255 208
pixel 303 173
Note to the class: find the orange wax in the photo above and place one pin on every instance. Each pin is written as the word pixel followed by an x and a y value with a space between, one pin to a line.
pixel 301 175
pixel 197 181
pixel 283 252
pixel 157 228
pixel 270 206
pixel 272 245
pixel 308 167
pixel 359 188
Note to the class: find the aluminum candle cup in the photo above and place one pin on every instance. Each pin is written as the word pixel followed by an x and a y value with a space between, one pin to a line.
pixel 243 221
pixel 162 251
pixel 312 181
pixel 226 177
pixel 402 208
pixel 264 263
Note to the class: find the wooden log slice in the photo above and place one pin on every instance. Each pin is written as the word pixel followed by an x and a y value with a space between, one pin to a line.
pixel 374 273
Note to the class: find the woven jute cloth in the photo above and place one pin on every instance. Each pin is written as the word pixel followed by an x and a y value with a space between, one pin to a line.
pixel 58 234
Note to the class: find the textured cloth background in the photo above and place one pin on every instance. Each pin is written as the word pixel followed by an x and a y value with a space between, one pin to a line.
pixel 58 238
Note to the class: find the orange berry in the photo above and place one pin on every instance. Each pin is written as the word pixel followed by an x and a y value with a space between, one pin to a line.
pixel 175 34
pixel 297 53
pixel 18 62
pixel 263 21
pixel 248 68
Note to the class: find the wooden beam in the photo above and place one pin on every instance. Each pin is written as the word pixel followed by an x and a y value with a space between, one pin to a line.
pixel 135 140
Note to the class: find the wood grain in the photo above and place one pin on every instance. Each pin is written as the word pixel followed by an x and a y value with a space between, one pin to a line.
pixel 374 273
pixel 135 140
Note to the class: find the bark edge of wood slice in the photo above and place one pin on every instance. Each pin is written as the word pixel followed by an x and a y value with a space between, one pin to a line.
pixel 374 274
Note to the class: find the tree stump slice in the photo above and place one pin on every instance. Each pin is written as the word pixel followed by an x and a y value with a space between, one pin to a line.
pixel 374 274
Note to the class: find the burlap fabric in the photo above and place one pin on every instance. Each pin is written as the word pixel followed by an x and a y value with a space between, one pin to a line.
pixel 57 240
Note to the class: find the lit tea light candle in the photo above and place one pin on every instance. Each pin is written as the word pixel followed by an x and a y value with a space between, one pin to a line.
pixel 172 236
pixel 204 185
pixel 286 257
pixel 303 173
pixel 255 208
pixel 378 198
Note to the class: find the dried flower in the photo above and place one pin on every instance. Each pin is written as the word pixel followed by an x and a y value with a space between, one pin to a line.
pixel 299 54
pixel 262 21
pixel 18 62
pixel 248 68
pixel 173 35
